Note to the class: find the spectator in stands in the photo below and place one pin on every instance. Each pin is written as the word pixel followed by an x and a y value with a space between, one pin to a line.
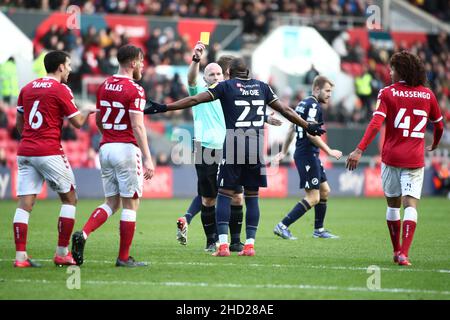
pixel 363 89
pixel 9 83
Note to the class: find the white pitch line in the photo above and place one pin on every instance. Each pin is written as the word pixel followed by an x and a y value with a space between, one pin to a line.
pixel 235 285
pixel 258 265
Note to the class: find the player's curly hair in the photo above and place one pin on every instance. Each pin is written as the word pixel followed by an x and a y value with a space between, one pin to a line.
pixel 410 68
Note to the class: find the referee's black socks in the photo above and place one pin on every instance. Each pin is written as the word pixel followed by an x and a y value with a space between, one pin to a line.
pixel 236 223
pixel 208 216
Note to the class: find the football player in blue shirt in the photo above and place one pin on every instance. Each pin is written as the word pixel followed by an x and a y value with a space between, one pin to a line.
pixel 243 103
pixel 312 175
pixel 209 129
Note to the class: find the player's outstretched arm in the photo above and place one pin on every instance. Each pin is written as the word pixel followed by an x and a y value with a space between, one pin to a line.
pixel 140 133
pixel 312 128
pixel 155 107
pixel 80 119
pixel 318 142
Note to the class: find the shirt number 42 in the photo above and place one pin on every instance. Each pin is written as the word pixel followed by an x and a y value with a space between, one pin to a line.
pixel 406 123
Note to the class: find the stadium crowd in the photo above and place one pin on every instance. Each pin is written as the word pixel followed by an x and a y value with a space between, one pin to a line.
pixel 95 53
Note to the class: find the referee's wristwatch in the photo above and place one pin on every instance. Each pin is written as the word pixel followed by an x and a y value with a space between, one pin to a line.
pixel 194 59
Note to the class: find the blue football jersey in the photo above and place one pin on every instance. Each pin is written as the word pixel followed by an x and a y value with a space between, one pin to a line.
pixel 310 110
pixel 244 104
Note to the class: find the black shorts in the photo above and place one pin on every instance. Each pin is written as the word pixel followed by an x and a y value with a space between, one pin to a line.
pixel 310 171
pixel 233 176
pixel 207 173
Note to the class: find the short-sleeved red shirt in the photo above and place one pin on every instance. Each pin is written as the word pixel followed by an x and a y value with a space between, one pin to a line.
pixel 44 103
pixel 116 98
pixel 406 110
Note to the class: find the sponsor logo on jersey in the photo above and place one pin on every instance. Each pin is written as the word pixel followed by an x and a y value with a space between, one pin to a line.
pixel 315 181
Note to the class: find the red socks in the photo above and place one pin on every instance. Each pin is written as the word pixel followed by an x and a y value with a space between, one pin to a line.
pixel 97 218
pixel 65 228
pixel 395 231
pixel 20 229
pixel 127 227
pixel 408 234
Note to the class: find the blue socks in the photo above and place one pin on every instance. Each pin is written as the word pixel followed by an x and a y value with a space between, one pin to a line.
pixel 320 211
pixel 251 216
pixel 223 213
pixel 194 208
pixel 296 213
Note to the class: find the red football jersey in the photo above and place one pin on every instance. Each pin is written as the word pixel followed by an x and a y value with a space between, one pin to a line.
pixel 116 97
pixel 44 103
pixel 406 110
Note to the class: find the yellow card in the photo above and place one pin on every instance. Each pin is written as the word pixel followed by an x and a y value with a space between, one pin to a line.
pixel 204 38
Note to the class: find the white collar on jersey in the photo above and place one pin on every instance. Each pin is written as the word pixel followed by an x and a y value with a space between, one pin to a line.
pixel 243 78
pixel 49 77
pixel 121 76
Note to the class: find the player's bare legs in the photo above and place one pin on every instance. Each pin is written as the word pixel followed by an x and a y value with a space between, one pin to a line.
pixel 20 228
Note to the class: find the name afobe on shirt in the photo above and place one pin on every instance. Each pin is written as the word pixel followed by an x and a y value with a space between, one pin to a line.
pixel 411 94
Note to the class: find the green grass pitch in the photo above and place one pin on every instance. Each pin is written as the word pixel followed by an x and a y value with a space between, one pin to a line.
pixel 304 269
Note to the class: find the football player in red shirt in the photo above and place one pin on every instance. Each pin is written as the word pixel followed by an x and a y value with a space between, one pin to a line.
pixel 41 108
pixel 406 105
pixel 124 153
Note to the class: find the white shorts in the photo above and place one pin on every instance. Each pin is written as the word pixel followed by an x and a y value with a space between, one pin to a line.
pixel 33 171
pixel 121 165
pixel 401 182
